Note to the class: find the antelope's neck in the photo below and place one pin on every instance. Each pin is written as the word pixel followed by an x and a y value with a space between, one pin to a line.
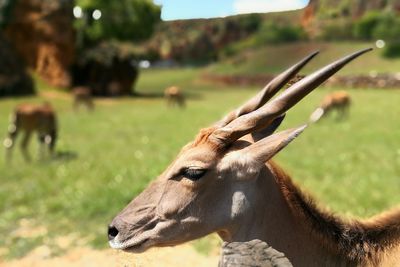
pixel 272 219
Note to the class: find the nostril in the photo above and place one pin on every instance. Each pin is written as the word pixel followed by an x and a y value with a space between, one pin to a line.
pixel 112 232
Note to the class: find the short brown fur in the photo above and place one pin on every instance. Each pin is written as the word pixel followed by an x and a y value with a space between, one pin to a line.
pixel 339 101
pixel 358 241
pixel 203 136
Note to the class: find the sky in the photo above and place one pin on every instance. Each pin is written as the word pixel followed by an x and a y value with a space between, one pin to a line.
pixel 187 9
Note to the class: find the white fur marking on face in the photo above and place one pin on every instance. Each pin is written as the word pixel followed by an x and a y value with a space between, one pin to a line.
pixel 241 163
pixel 239 204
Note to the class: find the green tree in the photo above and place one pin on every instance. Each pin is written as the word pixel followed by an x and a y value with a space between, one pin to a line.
pixel 365 27
pixel 122 20
pixel 6 9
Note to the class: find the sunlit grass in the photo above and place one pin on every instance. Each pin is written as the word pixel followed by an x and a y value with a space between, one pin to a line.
pixel 111 155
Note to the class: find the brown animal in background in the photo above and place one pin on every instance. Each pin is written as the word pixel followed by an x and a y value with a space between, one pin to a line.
pixel 339 101
pixel 174 96
pixel 224 182
pixel 29 118
pixel 295 79
pixel 82 96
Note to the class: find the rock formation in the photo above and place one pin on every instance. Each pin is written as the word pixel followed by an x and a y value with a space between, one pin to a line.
pixel 251 254
pixel 14 79
pixel 42 33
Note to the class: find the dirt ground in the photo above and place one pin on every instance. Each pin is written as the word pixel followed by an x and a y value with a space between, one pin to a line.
pixel 78 254
pixel 184 255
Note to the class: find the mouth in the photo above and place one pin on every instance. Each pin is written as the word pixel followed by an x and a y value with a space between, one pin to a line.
pixel 132 246
pixel 140 242
pixel 137 248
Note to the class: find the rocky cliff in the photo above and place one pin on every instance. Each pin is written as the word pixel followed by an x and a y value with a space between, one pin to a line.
pixel 14 79
pixel 42 33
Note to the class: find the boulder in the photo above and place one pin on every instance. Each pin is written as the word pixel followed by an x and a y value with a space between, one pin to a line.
pixel 254 253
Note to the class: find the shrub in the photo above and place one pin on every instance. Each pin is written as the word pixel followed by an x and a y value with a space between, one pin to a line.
pixel 337 30
pixel 388 28
pixel 376 25
pixel 250 23
pixel 274 33
pixel 364 28
pixel 109 69
pixel 392 50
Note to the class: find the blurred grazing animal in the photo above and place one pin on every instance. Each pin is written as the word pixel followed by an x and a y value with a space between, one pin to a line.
pixel 224 182
pixel 339 101
pixel 29 118
pixel 295 79
pixel 174 96
pixel 82 96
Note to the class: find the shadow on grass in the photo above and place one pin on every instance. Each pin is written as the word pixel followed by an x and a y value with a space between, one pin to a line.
pixel 65 155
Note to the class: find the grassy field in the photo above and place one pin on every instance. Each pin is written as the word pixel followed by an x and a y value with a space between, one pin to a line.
pixel 110 155
pixel 271 59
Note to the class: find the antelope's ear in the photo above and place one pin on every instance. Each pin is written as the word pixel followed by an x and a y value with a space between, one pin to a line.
pixel 266 148
pixel 247 162
pixel 270 129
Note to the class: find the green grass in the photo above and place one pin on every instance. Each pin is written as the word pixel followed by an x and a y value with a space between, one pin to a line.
pixel 272 59
pixel 352 167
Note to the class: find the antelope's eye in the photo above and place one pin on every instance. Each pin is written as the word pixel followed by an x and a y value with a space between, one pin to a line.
pixel 193 174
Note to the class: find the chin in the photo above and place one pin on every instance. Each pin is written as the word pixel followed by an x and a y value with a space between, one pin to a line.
pixel 132 246
pixel 137 249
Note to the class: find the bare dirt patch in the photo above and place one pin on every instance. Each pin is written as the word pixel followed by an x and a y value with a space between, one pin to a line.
pixel 184 255
pixel 29 229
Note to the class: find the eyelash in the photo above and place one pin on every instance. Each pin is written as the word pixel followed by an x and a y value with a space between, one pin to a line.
pixel 193 174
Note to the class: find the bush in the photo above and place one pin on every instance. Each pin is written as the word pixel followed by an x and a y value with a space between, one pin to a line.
pixel 250 23
pixel 387 29
pixel 274 33
pixel 385 26
pixel 364 28
pixel 376 25
pixel 108 69
pixel 392 50
pixel 267 34
pixel 337 30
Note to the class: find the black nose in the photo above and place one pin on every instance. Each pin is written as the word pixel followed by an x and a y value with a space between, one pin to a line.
pixel 112 232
